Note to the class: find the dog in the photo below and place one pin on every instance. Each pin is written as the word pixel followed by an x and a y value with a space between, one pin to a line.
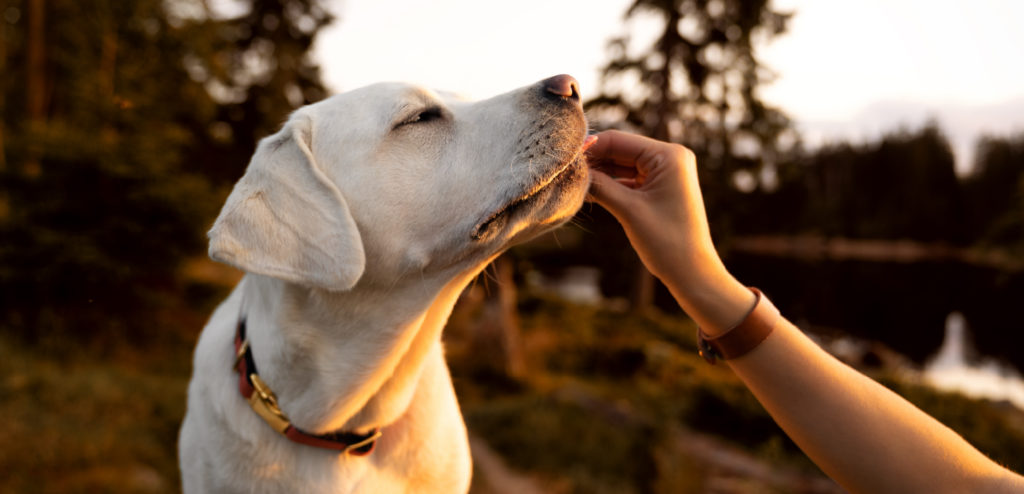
pixel 358 225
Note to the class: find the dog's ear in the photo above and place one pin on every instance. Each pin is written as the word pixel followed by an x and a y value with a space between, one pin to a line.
pixel 287 220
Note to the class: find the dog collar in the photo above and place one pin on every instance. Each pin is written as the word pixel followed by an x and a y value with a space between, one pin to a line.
pixel 264 402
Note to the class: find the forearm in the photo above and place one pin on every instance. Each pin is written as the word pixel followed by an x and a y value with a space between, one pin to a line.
pixel 864 436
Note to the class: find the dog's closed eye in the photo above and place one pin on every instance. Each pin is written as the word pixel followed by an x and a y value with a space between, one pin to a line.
pixel 427 115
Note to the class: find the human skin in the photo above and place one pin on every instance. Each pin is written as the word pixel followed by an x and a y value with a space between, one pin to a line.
pixel 864 436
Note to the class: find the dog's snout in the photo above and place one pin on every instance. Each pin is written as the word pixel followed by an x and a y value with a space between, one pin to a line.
pixel 562 86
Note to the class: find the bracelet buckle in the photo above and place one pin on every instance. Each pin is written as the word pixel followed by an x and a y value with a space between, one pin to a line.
pixel 705 349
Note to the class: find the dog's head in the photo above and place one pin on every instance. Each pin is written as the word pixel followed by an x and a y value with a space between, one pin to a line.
pixel 393 179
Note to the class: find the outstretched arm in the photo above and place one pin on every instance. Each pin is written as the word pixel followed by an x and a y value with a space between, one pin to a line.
pixel 864 436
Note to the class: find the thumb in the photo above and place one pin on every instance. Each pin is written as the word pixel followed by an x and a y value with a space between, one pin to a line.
pixel 610 194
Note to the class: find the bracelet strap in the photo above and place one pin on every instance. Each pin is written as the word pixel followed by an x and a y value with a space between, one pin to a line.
pixel 743 337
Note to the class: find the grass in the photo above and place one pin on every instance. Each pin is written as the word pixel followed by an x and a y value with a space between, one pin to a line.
pixel 77 423
pixel 538 433
pixel 596 411
pixel 605 390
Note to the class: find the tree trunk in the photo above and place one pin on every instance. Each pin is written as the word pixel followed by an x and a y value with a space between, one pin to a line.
pixel 641 294
pixel 3 93
pixel 35 87
pixel 5 201
pixel 497 339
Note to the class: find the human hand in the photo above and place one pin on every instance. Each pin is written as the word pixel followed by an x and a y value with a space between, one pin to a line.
pixel 651 188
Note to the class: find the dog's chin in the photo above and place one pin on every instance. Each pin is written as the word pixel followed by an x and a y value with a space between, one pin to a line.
pixel 537 211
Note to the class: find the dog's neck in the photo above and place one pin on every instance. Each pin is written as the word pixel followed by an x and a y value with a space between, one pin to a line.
pixel 346 361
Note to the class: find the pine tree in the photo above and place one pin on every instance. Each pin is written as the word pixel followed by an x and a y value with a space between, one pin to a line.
pixel 697 85
pixel 995 191
pixel 257 66
pixel 119 143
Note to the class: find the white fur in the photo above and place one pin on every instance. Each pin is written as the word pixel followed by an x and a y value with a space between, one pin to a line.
pixel 358 233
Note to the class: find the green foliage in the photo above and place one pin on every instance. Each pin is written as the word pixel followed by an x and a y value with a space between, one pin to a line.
pixel 541 434
pixel 83 424
pixel 995 189
pixel 903 186
pixel 727 409
pixel 150 109
pixel 258 68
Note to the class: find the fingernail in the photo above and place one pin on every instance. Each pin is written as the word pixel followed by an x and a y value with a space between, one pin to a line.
pixel 589 141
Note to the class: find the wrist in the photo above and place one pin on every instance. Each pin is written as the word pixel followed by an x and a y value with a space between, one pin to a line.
pixel 712 297
pixel 696 273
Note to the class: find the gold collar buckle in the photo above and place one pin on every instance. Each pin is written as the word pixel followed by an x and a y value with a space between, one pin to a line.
pixel 264 402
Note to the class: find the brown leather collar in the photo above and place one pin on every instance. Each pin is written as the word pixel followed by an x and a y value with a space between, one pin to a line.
pixel 264 403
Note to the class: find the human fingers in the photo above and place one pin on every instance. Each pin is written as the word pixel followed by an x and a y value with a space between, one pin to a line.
pixel 650 157
pixel 621 148
pixel 611 193
pixel 613 170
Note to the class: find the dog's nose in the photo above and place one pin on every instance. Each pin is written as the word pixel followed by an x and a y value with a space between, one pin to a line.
pixel 564 86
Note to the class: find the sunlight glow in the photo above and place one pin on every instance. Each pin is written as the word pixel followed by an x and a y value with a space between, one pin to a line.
pixel 846 70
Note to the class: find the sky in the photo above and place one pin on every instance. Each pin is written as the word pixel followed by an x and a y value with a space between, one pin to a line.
pixel 845 70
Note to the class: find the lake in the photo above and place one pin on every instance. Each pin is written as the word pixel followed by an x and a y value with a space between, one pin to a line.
pixel 903 305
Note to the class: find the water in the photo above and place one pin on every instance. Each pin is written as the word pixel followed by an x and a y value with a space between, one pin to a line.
pixel 963 325
pixel 579 284
pixel 903 305
pixel 957 367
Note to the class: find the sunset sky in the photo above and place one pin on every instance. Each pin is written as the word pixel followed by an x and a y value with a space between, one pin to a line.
pixel 846 69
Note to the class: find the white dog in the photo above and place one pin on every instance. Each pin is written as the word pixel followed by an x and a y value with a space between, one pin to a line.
pixel 358 225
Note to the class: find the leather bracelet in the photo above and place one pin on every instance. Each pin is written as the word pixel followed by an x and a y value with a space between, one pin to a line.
pixel 743 337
